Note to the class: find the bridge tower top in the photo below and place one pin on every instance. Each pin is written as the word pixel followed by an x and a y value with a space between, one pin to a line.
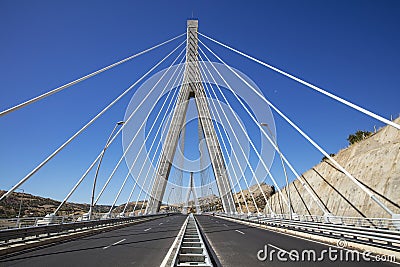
pixel 192 23
pixel 192 41
pixel 192 73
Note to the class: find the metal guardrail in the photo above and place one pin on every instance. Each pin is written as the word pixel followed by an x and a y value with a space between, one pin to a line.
pixel 21 234
pixel 388 237
pixel 380 223
pixel 10 223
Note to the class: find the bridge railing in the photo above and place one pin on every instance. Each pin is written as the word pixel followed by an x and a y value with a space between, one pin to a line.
pixel 378 223
pixel 379 232
pixel 56 228
pixel 11 223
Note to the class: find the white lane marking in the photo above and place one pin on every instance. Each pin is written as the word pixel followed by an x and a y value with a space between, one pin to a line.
pixel 299 237
pixel 160 223
pixel 239 232
pixel 122 240
pixel 226 225
pixel 147 229
pixel 175 244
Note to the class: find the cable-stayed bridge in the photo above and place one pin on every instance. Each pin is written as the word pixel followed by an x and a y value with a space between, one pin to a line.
pixel 198 102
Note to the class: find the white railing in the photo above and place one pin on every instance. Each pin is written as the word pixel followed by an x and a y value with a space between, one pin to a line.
pixel 53 226
pixel 11 223
pixel 378 223
pixel 378 232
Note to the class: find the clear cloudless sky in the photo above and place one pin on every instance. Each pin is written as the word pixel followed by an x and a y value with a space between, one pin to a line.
pixel 349 48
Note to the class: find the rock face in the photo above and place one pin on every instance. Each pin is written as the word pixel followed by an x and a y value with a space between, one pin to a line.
pixel 259 199
pixel 375 162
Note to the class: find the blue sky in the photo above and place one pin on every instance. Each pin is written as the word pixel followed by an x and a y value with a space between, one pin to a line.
pixel 349 48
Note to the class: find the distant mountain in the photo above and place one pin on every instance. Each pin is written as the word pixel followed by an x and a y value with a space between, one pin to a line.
pixel 35 206
pixel 215 202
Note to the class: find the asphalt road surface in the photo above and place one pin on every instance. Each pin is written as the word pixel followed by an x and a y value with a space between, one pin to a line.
pixel 145 244
pixel 238 245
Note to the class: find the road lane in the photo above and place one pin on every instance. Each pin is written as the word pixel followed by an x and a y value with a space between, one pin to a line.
pixel 238 245
pixel 123 247
pixel 116 243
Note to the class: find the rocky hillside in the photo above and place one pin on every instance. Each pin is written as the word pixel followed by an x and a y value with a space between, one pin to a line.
pixel 34 206
pixel 374 161
pixel 130 207
pixel 214 201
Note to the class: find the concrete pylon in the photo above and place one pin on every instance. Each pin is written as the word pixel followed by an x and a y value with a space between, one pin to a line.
pixel 191 190
pixel 192 87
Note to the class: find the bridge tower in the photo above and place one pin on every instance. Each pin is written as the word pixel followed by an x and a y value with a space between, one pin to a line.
pixel 192 87
pixel 193 191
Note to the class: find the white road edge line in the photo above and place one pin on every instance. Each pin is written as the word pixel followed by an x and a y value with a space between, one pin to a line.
pixel 239 232
pixel 116 243
pixel 171 249
pixel 147 229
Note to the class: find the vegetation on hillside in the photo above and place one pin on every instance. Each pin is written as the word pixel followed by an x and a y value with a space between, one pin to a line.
pixel 358 136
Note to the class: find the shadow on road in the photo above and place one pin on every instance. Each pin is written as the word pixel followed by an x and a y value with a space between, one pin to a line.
pixel 15 257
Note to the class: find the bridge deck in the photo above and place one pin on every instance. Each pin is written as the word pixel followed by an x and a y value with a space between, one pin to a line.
pixel 144 244
pixel 147 244
pixel 237 245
